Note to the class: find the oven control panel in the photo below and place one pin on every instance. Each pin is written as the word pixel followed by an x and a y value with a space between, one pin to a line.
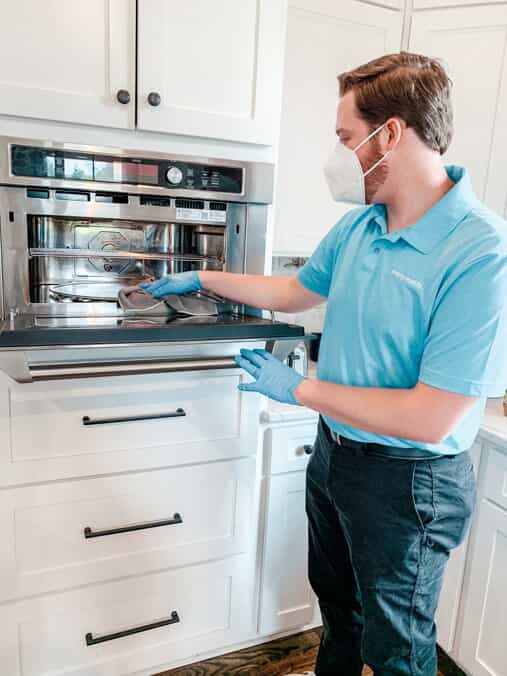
pixel 66 165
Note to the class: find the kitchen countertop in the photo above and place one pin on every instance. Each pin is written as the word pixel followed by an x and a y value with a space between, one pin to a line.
pixel 274 412
pixel 494 423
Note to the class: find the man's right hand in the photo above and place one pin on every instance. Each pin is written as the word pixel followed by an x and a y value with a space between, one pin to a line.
pixel 179 283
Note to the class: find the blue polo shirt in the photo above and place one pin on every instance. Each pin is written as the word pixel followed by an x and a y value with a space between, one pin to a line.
pixel 427 303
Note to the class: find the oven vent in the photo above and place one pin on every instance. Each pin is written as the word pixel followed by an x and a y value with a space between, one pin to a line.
pixel 218 206
pixel 154 201
pixel 189 204
pixel 112 197
pixel 72 195
pixel 37 193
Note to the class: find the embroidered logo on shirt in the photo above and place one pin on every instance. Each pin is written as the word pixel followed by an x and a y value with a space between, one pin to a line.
pixel 408 280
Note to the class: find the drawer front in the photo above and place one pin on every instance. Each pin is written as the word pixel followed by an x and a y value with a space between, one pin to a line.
pixel 495 476
pixel 126 626
pixel 63 429
pixel 288 448
pixel 69 534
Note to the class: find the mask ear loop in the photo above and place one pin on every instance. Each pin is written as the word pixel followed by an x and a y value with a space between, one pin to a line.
pixel 365 140
pixel 377 163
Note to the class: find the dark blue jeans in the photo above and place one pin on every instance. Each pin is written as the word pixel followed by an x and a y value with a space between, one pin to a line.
pixel 380 533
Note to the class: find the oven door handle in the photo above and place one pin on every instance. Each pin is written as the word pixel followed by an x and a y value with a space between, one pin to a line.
pixel 23 372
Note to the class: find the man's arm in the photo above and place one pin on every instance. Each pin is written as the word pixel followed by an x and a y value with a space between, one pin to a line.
pixel 422 413
pixel 280 293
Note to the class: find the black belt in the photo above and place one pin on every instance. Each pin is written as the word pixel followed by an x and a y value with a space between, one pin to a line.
pixel 412 453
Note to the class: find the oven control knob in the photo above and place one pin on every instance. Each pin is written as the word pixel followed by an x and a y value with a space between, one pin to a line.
pixel 174 175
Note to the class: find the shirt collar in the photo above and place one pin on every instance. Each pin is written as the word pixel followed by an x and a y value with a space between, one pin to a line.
pixel 440 220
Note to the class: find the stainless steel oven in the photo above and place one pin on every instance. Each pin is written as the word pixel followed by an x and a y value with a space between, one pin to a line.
pixel 77 223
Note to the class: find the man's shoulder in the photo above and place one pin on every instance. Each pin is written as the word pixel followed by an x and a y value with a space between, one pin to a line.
pixel 483 232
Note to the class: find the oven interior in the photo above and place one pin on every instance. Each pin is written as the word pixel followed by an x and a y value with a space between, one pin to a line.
pixel 89 259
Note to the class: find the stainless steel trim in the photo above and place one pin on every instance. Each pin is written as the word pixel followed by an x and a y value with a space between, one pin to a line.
pixel 66 372
pixel 147 344
pixel 258 176
pixel 43 372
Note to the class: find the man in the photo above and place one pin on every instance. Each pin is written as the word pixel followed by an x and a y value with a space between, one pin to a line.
pixel 414 335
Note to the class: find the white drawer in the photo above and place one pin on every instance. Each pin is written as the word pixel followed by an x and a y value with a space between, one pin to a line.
pixel 166 518
pixel 495 477
pixel 62 429
pixel 288 448
pixel 47 636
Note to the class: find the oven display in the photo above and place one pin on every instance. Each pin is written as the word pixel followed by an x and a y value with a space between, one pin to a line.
pixel 65 165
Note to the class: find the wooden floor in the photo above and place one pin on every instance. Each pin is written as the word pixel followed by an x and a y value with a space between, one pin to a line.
pixel 294 654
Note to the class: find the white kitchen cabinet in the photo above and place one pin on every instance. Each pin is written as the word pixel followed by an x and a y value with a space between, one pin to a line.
pixel 67 61
pixel 324 38
pixel 64 535
pixel 287 447
pixel 482 648
pixel 215 66
pixel 72 428
pixel 127 626
pixel 450 596
pixel 471 42
pixel 287 599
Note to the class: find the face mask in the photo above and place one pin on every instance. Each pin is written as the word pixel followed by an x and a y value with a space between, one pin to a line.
pixel 344 173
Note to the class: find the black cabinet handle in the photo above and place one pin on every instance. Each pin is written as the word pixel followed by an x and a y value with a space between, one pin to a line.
pixel 178 413
pixel 128 632
pixel 89 533
pixel 123 96
pixel 308 449
pixel 154 99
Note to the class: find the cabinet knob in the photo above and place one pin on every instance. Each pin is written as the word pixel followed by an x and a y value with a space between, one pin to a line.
pixel 123 96
pixel 308 449
pixel 154 99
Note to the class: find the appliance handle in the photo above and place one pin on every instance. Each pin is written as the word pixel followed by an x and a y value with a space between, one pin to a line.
pixel 87 421
pixel 90 640
pixel 89 533
pixel 23 373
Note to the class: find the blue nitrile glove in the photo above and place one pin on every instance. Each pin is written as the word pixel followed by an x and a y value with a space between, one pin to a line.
pixel 181 282
pixel 272 378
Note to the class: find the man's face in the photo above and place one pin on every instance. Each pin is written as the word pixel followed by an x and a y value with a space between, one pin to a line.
pixel 351 130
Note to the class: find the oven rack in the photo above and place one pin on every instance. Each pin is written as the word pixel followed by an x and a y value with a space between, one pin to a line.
pixel 129 255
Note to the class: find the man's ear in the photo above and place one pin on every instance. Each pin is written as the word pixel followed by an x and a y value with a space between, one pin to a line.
pixel 393 130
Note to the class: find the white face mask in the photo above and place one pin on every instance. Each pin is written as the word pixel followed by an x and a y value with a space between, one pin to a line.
pixel 344 173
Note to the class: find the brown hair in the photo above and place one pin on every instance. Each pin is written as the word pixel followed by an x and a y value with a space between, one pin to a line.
pixel 412 87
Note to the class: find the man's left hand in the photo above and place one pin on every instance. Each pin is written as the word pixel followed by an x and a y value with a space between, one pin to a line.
pixel 272 378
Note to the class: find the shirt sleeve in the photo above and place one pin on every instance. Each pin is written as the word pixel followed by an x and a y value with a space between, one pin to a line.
pixel 466 347
pixel 317 272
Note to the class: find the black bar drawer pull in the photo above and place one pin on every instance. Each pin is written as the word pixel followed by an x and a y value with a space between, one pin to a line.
pixel 178 413
pixel 89 533
pixel 128 632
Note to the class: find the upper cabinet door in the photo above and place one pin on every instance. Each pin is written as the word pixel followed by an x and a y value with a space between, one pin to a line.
pixel 324 38
pixel 471 42
pixel 67 61
pixel 211 69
